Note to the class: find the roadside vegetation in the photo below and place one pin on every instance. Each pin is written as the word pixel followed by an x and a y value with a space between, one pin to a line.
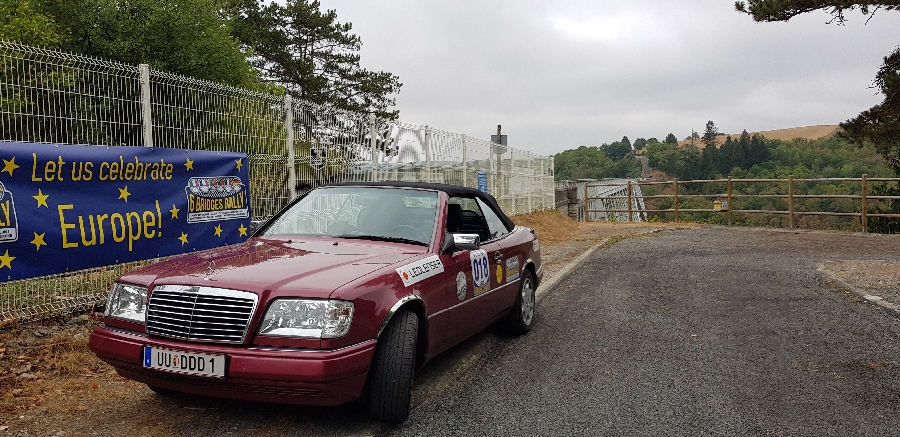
pixel 271 47
pixel 717 156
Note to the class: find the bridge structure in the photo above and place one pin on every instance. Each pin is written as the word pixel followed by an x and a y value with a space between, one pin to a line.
pixel 603 195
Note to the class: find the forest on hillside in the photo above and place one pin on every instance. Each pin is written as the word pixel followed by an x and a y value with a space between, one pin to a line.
pixel 748 157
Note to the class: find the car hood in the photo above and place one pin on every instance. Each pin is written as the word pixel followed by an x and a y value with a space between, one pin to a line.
pixel 312 267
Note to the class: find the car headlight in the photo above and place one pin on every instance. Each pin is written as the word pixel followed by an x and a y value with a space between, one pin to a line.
pixel 307 318
pixel 127 301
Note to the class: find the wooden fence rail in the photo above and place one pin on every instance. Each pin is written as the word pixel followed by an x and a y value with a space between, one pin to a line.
pixel 724 200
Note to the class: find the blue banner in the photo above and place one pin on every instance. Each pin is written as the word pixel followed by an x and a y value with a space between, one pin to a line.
pixel 67 208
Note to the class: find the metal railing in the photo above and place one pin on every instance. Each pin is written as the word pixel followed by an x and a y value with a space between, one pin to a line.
pixel 53 97
pixel 726 202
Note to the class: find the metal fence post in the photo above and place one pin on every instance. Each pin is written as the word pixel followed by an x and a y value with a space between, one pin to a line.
pixel 146 115
pixel 512 178
pixel 587 217
pixel 675 183
pixel 791 201
pixel 374 143
pixel 465 164
pixel 865 202
pixel 730 205
pixel 289 143
pixel 491 177
pixel 629 200
pixel 531 165
pixel 552 175
pixel 427 154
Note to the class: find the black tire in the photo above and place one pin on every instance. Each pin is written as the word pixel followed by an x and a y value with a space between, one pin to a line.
pixel 391 376
pixel 521 315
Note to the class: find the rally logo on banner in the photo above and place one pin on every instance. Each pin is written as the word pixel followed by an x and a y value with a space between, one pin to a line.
pixel 211 199
pixel 78 207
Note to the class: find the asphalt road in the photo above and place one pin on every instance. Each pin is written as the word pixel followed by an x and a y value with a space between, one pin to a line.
pixel 703 331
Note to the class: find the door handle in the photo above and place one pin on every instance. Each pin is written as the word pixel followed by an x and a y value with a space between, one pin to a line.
pixel 498 257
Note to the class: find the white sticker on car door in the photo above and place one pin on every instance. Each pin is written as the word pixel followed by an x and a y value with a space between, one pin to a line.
pixel 420 270
pixel 481 271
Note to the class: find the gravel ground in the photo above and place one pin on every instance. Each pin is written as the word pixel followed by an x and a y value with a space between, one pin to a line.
pixel 49 388
pixel 705 331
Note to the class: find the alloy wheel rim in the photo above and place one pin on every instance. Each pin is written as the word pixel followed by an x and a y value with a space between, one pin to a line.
pixel 527 301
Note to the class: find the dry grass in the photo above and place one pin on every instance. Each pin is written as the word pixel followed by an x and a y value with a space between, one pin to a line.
pixel 551 226
pixel 808 132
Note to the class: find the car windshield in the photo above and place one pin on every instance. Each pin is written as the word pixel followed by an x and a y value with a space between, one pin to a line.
pixel 388 214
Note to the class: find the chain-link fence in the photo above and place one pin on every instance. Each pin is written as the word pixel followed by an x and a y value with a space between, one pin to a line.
pixel 50 97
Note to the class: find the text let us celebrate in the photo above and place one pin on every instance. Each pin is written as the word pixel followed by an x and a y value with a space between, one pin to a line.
pixel 55 170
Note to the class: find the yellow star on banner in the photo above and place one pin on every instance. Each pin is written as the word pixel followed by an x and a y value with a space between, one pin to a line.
pixel 174 212
pixel 38 241
pixel 41 199
pixel 218 230
pixel 9 166
pixel 183 239
pixel 123 193
pixel 189 165
pixel 243 230
pixel 240 163
pixel 6 260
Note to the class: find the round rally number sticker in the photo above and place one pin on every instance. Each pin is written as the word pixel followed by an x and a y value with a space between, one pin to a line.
pixel 481 269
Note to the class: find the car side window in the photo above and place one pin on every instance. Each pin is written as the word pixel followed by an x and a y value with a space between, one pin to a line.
pixel 496 227
pixel 465 217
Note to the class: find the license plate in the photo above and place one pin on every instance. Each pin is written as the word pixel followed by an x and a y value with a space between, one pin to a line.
pixel 186 363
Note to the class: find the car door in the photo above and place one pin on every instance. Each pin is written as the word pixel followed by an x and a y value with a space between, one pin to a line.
pixel 480 274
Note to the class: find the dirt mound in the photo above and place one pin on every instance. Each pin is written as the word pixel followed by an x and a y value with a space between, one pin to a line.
pixel 551 226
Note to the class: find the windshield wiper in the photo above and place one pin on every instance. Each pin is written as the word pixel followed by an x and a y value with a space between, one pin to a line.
pixel 381 238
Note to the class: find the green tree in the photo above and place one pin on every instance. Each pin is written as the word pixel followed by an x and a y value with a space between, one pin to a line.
pixel 783 10
pixel 189 37
pixel 671 139
pixel 312 55
pixel 21 22
pixel 617 149
pixel 709 135
pixel 880 125
pixel 593 163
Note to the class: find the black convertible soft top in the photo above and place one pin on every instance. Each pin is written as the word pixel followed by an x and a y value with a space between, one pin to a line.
pixel 451 190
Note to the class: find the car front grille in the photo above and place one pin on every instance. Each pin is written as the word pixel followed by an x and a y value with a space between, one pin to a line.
pixel 204 314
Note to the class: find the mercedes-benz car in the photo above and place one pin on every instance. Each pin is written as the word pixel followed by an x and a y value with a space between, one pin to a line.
pixel 341 296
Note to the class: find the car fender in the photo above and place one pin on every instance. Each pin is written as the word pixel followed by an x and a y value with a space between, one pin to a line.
pixel 400 303
pixel 529 263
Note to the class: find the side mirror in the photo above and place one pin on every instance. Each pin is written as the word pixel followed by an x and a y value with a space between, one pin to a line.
pixel 454 242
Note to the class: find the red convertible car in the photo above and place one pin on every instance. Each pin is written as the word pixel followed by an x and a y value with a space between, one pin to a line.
pixel 341 296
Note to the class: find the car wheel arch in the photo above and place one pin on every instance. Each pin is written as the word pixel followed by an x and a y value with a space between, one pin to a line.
pixel 529 265
pixel 416 305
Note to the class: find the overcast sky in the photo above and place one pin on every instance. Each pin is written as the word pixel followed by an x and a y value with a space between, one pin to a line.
pixel 557 75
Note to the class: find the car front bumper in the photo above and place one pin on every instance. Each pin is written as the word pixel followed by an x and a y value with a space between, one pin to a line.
pixel 265 374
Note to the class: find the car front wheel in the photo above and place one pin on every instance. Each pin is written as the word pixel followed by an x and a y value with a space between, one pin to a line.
pixel 391 375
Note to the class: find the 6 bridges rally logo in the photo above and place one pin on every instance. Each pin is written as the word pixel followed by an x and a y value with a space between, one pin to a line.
pixel 216 198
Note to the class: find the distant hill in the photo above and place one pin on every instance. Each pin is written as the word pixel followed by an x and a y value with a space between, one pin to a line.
pixel 808 132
